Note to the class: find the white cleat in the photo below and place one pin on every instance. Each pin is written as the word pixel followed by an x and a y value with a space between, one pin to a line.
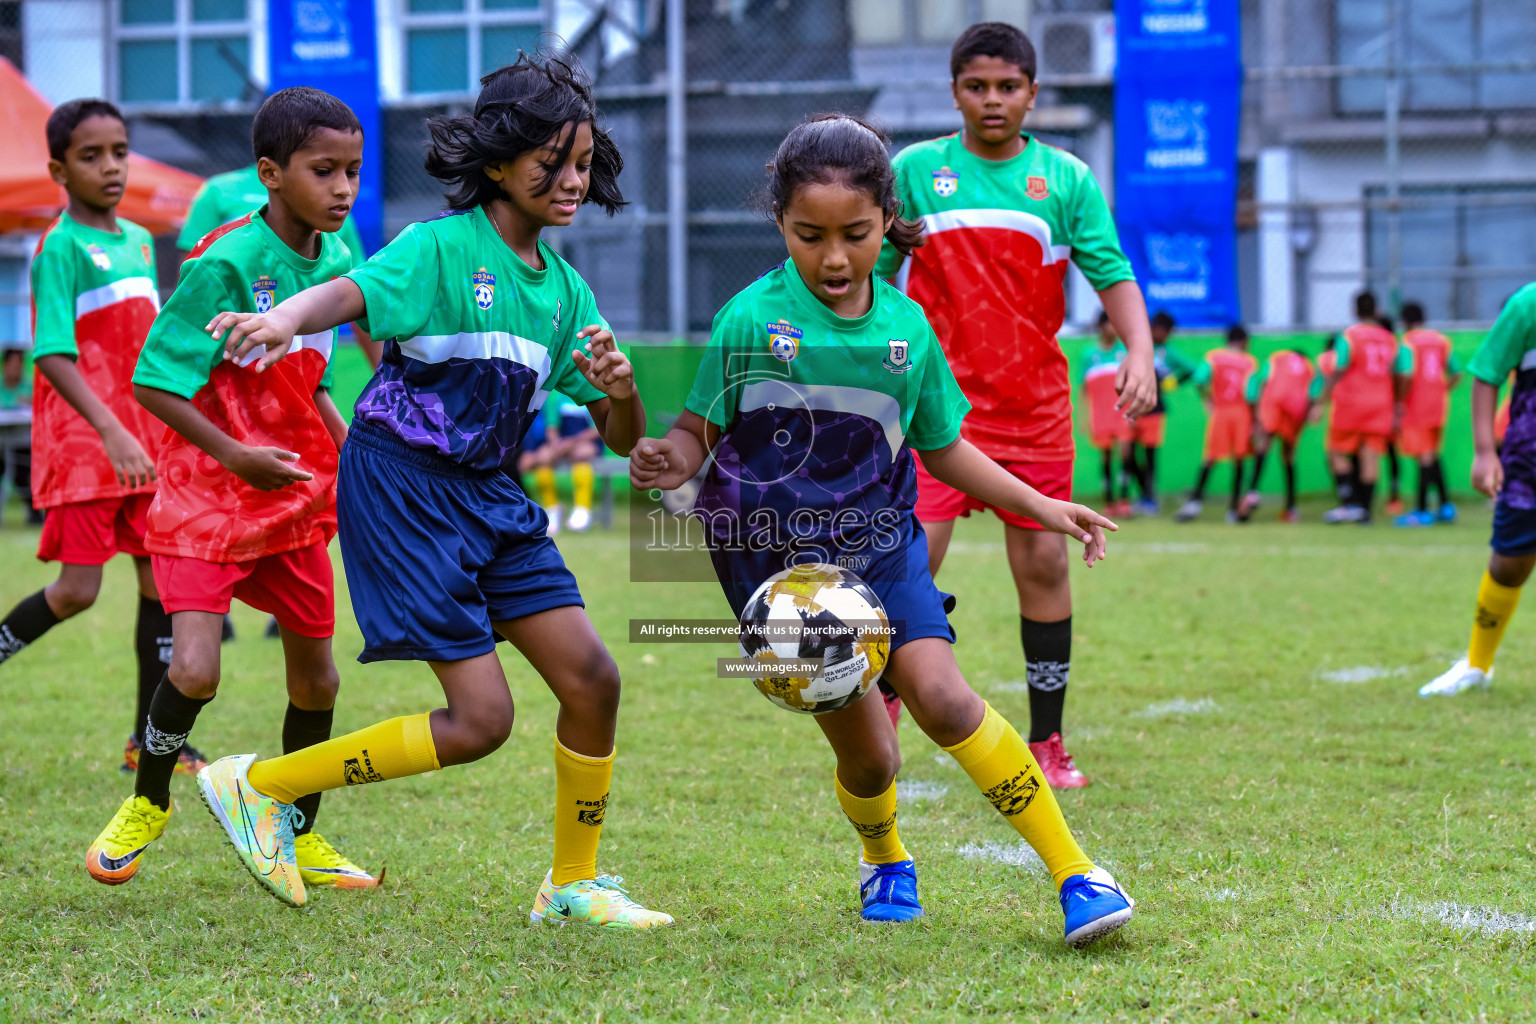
pixel 581 518
pixel 1189 510
pixel 1344 514
pixel 1458 679
pixel 553 511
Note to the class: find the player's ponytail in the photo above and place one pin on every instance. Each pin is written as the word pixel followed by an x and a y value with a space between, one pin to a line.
pixel 521 107
pixel 838 148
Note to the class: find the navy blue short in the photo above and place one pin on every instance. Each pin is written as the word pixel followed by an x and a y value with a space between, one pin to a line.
pixel 915 606
pixel 1514 531
pixel 435 553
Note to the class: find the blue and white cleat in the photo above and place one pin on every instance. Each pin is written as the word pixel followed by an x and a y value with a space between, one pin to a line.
pixel 1094 905
pixel 1447 513
pixel 1459 678
pixel 1413 519
pixel 889 891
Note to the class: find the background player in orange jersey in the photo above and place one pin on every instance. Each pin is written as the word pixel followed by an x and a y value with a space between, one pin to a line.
pixel 93 469
pixel 1109 431
pixel 1282 390
pixel 1223 380
pixel 1003 214
pixel 1367 386
pixel 1436 370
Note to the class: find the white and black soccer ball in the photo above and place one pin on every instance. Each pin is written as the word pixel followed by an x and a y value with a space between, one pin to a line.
pixel 816 612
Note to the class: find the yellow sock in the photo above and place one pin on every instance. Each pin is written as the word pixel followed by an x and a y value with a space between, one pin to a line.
pixel 544 480
pixel 874 819
pixel 996 759
pixel 1495 605
pixel 389 750
pixel 581 484
pixel 581 798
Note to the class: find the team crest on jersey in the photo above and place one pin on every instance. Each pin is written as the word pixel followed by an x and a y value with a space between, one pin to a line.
pixel 945 182
pixel 147 258
pixel 99 257
pixel 264 289
pixel 896 360
pixel 1036 188
pixel 784 340
pixel 485 287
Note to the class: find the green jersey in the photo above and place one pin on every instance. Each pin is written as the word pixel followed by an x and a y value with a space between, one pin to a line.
pixel 232 195
pixel 992 279
pixel 1510 347
pixel 202 510
pixel 818 416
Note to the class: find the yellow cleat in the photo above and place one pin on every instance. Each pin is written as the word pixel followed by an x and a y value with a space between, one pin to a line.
pixel 321 864
pixel 601 901
pixel 114 857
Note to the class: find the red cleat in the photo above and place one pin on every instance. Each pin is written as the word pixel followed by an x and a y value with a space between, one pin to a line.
pixel 1057 764
pixel 892 705
pixel 1395 507
pixel 1290 515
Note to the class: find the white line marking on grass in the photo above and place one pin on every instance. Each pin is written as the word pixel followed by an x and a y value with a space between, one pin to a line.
pixel 1461 917
pixel 1361 674
pixel 907 792
pixel 1226 895
pixel 1178 706
pixel 1017 855
pixel 1011 686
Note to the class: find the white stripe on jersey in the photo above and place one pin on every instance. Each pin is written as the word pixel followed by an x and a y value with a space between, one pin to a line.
pixel 322 343
pixel 1100 370
pixel 1010 220
pixel 439 348
pixel 117 291
pixel 872 405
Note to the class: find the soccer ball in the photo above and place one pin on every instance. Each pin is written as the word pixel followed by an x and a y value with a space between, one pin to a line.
pixel 816 612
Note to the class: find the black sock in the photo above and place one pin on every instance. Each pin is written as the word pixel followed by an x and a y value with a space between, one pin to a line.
pixel 1237 483
pixel 1258 468
pixel 28 620
pixel 1438 478
pixel 1107 467
pixel 152 640
pixel 171 717
pixel 304 729
pixel 1149 473
pixel 1344 488
pixel 1425 473
pixel 1048 658
pixel 1290 482
pixel 1356 485
pixel 1198 494
pixel 1394 492
pixel 1365 495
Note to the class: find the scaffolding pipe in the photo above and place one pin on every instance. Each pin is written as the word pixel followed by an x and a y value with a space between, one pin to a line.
pixel 1394 161
pixel 677 175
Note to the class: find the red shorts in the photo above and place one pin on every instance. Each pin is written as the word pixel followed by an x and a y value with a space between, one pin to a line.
pixel 940 503
pixel 1348 442
pixel 1416 441
pixel 297 587
pixel 1228 435
pixel 1148 430
pixel 91 532
pixel 1281 424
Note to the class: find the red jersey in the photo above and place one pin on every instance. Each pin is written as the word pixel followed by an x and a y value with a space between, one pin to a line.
pixel 1369 358
pixel 1225 372
pixel 1287 386
pixel 991 279
pixel 1426 404
pixel 93 299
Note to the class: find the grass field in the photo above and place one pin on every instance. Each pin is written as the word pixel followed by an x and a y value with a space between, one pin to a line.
pixel 1306 839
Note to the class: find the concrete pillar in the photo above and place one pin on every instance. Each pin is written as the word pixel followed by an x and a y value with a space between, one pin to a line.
pixel 1277 257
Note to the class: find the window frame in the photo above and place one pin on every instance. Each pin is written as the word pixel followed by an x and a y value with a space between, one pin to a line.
pixel 183 31
pixel 473 19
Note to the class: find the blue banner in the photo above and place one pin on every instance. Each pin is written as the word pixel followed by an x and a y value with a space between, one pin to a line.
pixel 1178 82
pixel 331 45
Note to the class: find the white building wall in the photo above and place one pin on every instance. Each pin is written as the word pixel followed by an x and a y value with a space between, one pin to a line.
pixel 65 42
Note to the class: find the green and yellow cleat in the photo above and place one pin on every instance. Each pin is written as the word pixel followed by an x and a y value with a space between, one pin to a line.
pixel 114 857
pixel 321 864
pixel 257 826
pixel 602 901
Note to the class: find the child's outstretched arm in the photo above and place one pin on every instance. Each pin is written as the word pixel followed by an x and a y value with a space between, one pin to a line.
pixel 666 463
pixel 1487 471
pixel 266 469
pixel 963 467
pixel 620 418
pixel 321 308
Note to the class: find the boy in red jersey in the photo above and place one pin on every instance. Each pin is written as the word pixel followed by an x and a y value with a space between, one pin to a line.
pixel 246 502
pixel 1282 390
pixel 93 299
pixel 1223 379
pixel 1108 430
pixel 1003 214
pixel 1436 371
pixel 1367 386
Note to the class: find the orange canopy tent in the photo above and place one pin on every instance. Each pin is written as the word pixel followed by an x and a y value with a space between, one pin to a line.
pixel 157 195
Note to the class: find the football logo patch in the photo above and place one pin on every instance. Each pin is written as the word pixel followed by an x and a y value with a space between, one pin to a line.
pixel 784 340
pixel 485 288
pixel 945 182
pixel 99 257
pixel 264 291
pixel 1036 188
pixel 896 359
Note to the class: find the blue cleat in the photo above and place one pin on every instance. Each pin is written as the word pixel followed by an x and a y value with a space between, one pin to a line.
pixel 1145 507
pixel 1410 519
pixel 889 891
pixel 1447 513
pixel 1094 905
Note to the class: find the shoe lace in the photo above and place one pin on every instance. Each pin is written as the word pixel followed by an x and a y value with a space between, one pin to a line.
pixel 127 824
pixel 320 850
pixel 289 820
pixel 1084 888
pixel 615 884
